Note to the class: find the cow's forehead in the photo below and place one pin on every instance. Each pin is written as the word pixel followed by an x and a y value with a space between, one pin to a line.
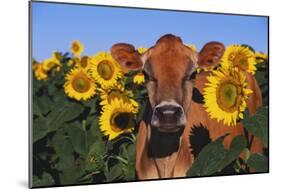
pixel 170 55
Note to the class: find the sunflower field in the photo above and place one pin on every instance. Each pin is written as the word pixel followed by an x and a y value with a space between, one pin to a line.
pixel 86 110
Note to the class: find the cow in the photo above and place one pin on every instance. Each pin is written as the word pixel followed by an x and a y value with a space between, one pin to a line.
pixel 163 147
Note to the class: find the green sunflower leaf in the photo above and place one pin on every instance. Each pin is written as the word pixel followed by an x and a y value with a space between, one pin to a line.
pixel 64 149
pixel 36 109
pixel 39 129
pixel 258 162
pixel 115 173
pixel 63 112
pixel 208 159
pixel 43 102
pixel 237 145
pixel 262 79
pixel 69 165
pixel 129 169
pixel 95 157
pixel 60 114
pixel 258 124
pixel 45 180
pixel 214 157
pixel 71 175
pixel 78 137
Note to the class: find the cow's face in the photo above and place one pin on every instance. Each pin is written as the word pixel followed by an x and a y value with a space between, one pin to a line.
pixel 167 67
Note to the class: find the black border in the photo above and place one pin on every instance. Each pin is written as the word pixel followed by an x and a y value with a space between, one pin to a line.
pixel 30 100
pixel 30 87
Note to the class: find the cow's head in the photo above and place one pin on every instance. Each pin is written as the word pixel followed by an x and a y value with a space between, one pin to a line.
pixel 168 66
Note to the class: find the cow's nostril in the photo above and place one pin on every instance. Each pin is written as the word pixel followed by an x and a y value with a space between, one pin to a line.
pixel 158 112
pixel 178 111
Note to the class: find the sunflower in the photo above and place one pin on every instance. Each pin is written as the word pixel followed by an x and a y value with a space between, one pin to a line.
pixel 79 85
pixel 117 91
pixel 225 95
pixel 84 62
pixel 104 69
pixel 142 50
pixel 117 117
pixel 261 57
pixel 51 63
pixel 73 62
pixel 77 48
pixel 193 47
pixel 70 62
pixel 39 72
pixel 138 78
pixel 241 57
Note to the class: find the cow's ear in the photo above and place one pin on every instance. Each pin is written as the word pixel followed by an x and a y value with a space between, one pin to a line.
pixel 127 56
pixel 210 54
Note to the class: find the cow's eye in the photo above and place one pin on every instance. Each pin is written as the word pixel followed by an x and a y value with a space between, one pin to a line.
pixel 190 77
pixel 193 75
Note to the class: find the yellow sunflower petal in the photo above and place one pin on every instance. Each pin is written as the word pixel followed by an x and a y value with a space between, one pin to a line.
pixel 142 50
pixel 138 78
pixel 193 47
pixel 39 72
pixel 261 57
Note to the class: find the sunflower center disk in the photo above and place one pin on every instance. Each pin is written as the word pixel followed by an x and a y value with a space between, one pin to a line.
pixel 122 121
pixel 105 70
pixel 227 97
pixel 75 47
pixel 81 84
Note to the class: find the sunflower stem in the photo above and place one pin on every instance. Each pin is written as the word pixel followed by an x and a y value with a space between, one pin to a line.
pixel 90 174
pixel 84 129
pixel 124 137
pixel 134 137
pixel 122 159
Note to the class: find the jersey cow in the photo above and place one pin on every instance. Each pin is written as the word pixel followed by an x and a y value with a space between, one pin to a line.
pixel 163 147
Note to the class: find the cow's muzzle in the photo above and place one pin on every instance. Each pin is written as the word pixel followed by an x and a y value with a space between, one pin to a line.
pixel 168 117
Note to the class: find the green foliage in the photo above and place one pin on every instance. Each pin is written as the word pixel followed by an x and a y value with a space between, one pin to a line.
pixel 68 146
pixel 213 158
pixel 262 78
pixel 258 124
pixel 258 162
pixel 45 180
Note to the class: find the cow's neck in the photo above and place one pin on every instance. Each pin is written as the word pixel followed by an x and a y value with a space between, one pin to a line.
pixel 166 165
pixel 162 147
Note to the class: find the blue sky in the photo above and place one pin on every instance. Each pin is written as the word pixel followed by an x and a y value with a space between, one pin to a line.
pixel 55 26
